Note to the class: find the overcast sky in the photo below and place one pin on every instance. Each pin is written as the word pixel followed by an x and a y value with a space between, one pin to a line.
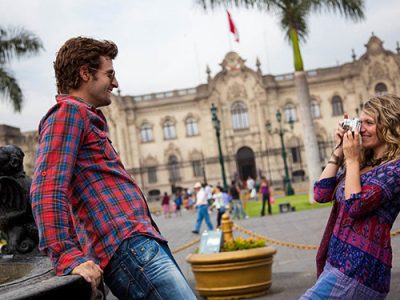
pixel 166 45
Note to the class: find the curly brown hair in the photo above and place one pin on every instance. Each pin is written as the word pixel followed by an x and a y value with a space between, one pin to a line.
pixel 78 52
pixel 386 111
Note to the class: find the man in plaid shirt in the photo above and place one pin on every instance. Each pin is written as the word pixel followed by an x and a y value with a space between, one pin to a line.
pixel 92 217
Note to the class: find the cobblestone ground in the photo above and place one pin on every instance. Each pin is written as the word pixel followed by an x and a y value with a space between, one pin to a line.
pixel 293 269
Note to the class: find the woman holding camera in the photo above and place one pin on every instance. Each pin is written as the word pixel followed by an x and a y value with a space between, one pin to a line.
pixel 362 177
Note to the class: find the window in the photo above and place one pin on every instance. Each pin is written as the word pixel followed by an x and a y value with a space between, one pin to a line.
pixel 240 119
pixel 337 106
pixel 296 156
pixel 169 130
pixel 146 133
pixel 173 168
pixel 321 149
pixel 380 88
pixel 315 110
pixel 191 127
pixel 197 168
pixel 152 174
pixel 290 113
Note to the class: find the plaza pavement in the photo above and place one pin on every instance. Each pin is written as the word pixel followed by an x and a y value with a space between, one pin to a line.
pixel 293 270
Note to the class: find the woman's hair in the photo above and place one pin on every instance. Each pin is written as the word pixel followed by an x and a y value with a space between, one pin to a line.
pixel 78 52
pixel 386 111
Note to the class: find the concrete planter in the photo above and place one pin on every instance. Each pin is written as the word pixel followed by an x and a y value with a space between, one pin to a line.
pixel 233 275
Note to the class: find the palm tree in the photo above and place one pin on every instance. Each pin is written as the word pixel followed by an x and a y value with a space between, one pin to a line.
pixel 293 15
pixel 15 42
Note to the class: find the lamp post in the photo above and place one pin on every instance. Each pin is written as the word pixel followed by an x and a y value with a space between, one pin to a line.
pixel 281 131
pixel 217 126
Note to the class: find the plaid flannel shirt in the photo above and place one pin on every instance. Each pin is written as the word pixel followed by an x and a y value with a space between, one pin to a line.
pixel 83 200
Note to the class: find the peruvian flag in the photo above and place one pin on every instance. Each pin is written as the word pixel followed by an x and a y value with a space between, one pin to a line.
pixel 232 27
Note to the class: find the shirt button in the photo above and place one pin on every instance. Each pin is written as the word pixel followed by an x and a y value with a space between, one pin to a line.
pixel 44 173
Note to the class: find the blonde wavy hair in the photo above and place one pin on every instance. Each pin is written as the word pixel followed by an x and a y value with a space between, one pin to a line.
pixel 386 111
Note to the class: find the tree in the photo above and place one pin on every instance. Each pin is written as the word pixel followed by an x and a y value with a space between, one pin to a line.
pixel 293 15
pixel 15 42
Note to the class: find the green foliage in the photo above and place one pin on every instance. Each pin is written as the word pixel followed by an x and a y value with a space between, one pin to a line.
pixel 243 244
pixel 15 42
pixel 300 202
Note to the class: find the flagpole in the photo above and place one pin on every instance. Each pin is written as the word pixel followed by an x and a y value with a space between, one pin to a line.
pixel 230 40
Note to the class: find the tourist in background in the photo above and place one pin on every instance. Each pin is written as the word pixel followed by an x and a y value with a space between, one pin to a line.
pixel 265 192
pixel 251 189
pixel 178 203
pixel 355 257
pixel 219 203
pixel 237 207
pixel 202 208
pixel 165 201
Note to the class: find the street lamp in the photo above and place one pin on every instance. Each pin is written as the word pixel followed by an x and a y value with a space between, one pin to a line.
pixel 217 126
pixel 281 131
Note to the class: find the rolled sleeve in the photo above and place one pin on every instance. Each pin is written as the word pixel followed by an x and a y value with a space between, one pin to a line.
pixel 323 189
pixel 60 136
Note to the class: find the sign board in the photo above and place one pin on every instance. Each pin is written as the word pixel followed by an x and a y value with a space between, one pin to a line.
pixel 211 242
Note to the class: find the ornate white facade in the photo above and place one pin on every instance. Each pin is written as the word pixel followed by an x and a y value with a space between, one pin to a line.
pixel 168 138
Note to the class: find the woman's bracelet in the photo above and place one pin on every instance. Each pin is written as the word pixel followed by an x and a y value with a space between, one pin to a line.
pixel 336 160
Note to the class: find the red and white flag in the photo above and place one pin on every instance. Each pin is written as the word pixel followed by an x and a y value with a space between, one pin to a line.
pixel 232 27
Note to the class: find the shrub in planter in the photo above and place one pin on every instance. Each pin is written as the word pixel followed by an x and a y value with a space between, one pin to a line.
pixel 242 270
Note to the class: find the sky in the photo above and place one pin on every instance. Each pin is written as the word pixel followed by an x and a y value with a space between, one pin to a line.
pixel 166 45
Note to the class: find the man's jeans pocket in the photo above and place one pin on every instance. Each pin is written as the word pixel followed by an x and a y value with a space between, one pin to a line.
pixel 123 284
pixel 124 275
pixel 143 250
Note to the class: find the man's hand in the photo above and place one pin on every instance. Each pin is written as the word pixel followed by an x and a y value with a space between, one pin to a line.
pixel 91 272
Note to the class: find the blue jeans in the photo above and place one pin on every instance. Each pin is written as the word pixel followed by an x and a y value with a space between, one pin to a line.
pixel 238 209
pixel 143 268
pixel 202 213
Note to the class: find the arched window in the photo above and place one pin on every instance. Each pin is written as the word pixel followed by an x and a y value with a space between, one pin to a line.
pixel 240 119
pixel 380 88
pixel 169 130
pixel 290 113
pixel 173 168
pixel 337 106
pixel 315 109
pixel 146 133
pixel 152 174
pixel 321 148
pixel 191 127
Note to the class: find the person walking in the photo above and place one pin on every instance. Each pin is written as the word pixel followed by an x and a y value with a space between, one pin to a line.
pixel 251 189
pixel 219 203
pixel 265 192
pixel 355 256
pixel 166 206
pixel 178 204
pixel 92 217
pixel 237 207
pixel 202 208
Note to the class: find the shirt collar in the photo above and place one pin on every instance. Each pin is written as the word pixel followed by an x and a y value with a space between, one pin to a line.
pixel 63 97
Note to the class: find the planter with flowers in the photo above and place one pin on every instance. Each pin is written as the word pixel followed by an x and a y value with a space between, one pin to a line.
pixel 243 268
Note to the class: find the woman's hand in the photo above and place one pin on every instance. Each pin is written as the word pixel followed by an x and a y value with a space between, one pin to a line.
pixel 351 146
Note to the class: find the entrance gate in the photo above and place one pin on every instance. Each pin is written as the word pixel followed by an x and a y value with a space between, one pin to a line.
pixel 246 163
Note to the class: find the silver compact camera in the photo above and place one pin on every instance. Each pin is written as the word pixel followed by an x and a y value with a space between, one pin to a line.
pixel 351 124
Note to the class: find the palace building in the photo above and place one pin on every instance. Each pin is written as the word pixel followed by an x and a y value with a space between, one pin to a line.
pixel 167 139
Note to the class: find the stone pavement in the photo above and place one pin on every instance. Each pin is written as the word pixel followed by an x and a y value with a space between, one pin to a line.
pixel 293 270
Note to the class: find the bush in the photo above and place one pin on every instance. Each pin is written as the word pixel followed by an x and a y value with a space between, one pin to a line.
pixel 242 244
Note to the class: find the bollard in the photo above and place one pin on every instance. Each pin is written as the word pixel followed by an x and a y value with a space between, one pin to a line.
pixel 226 227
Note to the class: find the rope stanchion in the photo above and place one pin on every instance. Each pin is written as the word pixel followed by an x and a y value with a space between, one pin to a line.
pixel 287 244
pixel 267 239
pixel 185 246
